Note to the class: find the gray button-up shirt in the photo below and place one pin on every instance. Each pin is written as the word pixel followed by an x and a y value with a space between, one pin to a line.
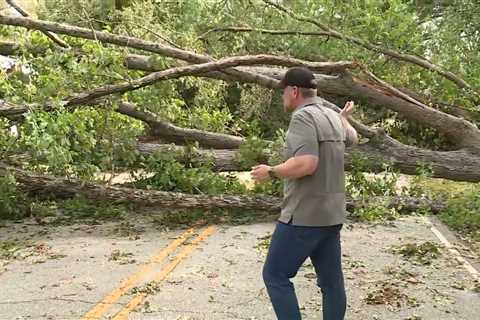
pixel 317 199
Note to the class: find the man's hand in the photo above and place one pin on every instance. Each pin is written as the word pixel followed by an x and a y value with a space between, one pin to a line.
pixel 350 133
pixel 347 110
pixel 260 172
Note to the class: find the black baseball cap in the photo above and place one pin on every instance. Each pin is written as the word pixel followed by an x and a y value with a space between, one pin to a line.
pixel 299 77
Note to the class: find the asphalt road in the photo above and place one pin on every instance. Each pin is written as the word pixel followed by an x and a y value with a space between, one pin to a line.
pixel 132 269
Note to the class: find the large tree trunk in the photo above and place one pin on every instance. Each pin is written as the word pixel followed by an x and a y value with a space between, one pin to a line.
pixel 458 165
pixel 35 184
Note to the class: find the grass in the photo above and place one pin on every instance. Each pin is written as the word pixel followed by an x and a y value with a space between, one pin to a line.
pixel 462 212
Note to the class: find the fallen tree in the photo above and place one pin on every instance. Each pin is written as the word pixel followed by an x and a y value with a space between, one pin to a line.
pixel 458 165
pixel 464 133
pixel 42 185
pixel 334 81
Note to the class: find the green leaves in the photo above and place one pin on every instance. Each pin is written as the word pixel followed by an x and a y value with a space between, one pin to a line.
pixel 170 175
pixel 13 204
pixel 79 143
pixel 363 185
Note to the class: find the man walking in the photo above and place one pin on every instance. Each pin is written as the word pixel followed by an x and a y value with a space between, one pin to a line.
pixel 313 208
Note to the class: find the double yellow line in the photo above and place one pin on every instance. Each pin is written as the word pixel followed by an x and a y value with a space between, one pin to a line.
pixel 96 312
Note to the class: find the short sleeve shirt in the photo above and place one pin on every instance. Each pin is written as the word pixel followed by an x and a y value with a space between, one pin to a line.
pixel 317 199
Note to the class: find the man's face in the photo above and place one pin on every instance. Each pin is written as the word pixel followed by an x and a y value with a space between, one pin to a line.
pixel 289 97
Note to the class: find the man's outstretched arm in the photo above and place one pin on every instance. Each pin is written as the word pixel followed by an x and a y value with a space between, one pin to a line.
pixel 351 135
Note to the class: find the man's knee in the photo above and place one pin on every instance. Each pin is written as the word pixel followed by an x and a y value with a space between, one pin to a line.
pixel 268 275
pixel 272 276
pixel 331 283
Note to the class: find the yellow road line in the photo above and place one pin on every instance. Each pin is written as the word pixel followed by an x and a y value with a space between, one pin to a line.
pixel 97 311
pixel 162 274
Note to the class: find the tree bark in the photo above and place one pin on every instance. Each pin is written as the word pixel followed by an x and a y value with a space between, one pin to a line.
pixel 461 132
pixel 8 48
pixel 11 112
pixel 172 133
pixel 43 185
pixel 458 165
pixel 221 159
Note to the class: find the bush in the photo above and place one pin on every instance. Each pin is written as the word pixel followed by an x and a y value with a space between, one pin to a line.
pixel 13 205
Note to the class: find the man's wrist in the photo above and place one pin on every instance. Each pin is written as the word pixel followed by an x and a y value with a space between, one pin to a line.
pixel 271 173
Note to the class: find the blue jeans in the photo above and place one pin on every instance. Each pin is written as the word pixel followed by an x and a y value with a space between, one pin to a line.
pixel 289 248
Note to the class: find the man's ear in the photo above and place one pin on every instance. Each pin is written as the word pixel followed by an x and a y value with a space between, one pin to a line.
pixel 296 92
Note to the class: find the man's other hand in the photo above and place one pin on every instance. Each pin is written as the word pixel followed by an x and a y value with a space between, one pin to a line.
pixel 260 172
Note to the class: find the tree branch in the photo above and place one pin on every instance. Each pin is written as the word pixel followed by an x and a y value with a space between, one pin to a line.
pixel 105 37
pixel 86 97
pixel 8 48
pixel 172 133
pixel 124 41
pixel 381 94
pixel 266 31
pixel 52 36
pixel 394 54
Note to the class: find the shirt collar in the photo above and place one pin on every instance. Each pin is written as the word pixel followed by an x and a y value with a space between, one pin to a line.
pixel 308 101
